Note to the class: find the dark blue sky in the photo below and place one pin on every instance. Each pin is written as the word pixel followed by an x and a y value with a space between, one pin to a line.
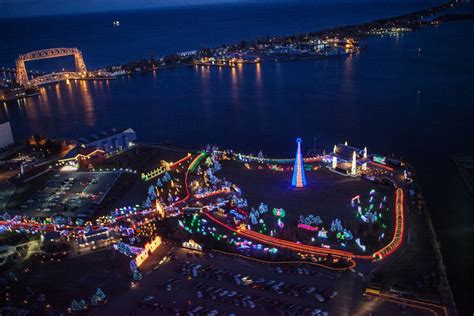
pixel 25 8
pixel 15 8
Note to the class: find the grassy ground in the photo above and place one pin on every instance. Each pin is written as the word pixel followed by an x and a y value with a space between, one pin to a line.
pixel 327 195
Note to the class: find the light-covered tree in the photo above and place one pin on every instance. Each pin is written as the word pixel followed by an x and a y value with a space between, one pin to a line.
pixel 263 208
pixel 137 276
pixel 100 294
pixel 94 300
pixel 75 307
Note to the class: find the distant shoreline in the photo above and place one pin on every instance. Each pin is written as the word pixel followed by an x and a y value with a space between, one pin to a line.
pixel 260 47
pixel 300 46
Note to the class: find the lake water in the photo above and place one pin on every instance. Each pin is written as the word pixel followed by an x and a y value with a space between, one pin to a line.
pixel 411 94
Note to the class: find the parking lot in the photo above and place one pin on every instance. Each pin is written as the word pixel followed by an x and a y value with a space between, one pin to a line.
pixel 70 194
pixel 195 283
pixel 229 287
pixel 185 282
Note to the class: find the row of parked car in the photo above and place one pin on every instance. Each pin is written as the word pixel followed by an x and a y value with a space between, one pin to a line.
pixel 272 306
pixel 296 290
pixel 211 272
pixel 52 196
pixel 222 294
pixel 151 303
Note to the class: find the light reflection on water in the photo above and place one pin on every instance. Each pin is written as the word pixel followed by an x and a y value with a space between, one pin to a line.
pixel 258 76
pixel 58 104
pixel 88 102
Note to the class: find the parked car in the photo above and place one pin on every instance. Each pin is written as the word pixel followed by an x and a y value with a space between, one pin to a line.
pixel 319 297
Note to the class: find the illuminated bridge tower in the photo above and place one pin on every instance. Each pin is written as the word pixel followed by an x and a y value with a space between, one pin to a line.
pixel 299 180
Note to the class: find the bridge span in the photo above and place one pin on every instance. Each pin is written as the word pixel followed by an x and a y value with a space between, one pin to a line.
pixel 22 74
pixel 79 73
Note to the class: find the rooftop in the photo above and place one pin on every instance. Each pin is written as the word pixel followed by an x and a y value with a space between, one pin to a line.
pixel 80 151
pixel 104 134
pixel 345 151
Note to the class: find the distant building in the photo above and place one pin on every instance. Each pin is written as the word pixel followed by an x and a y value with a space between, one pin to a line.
pixel 51 237
pixel 95 240
pixel 11 93
pixel 344 152
pixel 111 141
pixel 188 53
pixel 348 160
pixel 84 157
pixel 6 136
pixel 92 150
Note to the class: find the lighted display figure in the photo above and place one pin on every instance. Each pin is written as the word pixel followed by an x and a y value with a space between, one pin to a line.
pixel 299 179
pixel 364 165
pixel 353 167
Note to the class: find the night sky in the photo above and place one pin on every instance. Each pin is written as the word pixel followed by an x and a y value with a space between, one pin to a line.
pixel 25 8
pixel 15 8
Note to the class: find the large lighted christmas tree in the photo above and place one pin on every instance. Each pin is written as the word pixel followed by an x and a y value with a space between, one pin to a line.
pixel 299 179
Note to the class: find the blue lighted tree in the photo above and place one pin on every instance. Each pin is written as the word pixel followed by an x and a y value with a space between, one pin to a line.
pixel 263 208
pixel 75 307
pixel 151 192
pixel 94 300
pixel 100 294
pixel 159 183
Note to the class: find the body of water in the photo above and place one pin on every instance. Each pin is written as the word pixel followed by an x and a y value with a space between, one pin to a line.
pixel 411 94
pixel 169 30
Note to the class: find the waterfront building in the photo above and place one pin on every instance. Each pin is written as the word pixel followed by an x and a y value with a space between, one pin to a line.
pixel 84 157
pixel 92 150
pixel 6 136
pixel 11 92
pixel 299 179
pixel 188 53
pixel 112 141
